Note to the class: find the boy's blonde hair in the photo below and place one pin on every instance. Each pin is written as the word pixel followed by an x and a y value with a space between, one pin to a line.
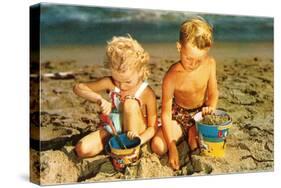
pixel 197 32
pixel 125 53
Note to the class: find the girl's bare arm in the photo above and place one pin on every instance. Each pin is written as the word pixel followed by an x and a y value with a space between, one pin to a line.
pixel 150 101
pixel 89 90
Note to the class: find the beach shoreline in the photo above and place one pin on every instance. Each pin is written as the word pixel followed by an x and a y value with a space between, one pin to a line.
pixel 95 54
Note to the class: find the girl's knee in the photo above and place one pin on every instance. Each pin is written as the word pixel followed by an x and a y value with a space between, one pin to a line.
pixel 81 149
pixel 158 146
pixel 132 116
pixel 92 144
pixel 130 105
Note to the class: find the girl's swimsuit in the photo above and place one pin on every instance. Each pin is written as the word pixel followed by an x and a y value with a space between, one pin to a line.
pixel 115 114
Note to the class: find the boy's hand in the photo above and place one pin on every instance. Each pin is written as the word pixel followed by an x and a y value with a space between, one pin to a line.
pixel 208 110
pixel 174 157
pixel 105 106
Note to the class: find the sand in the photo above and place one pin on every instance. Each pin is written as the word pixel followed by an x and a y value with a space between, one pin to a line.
pixel 245 79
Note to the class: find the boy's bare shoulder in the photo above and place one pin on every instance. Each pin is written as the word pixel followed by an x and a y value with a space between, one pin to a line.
pixel 176 67
pixel 173 69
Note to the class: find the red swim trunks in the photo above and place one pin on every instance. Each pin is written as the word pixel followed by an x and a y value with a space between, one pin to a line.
pixel 184 116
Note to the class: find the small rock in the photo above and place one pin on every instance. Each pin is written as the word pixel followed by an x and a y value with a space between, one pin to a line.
pixel 200 164
pixel 187 169
pixel 183 154
pixel 254 132
pixel 197 164
pixel 107 167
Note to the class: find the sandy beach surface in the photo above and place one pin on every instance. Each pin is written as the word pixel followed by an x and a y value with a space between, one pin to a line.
pixel 245 80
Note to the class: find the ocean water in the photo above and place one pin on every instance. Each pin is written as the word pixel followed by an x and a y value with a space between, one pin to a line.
pixel 76 25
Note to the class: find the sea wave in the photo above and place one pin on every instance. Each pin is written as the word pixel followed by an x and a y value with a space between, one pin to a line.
pixel 62 24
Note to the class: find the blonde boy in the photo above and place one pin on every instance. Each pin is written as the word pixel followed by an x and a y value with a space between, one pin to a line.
pixel 130 96
pixel 190 85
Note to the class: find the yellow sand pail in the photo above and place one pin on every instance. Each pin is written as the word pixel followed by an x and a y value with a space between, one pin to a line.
pixel 214 149
pixel 213 136
pixel 122 157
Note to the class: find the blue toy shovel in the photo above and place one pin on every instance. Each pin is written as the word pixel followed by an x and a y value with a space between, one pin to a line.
pixel 105 118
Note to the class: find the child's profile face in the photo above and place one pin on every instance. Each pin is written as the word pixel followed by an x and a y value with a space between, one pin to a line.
pixel 191 54
pixel 126 80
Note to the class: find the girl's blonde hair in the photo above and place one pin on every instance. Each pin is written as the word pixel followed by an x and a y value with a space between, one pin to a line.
pixel 197 32
pixel 125 53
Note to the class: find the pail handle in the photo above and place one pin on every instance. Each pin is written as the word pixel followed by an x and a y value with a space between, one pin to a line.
pixel 224 142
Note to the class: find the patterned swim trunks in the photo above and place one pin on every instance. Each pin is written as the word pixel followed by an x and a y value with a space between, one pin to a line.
pixel 184 116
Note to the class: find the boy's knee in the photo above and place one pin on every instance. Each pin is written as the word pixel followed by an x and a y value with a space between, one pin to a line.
pixel 158 146
pixel 130 105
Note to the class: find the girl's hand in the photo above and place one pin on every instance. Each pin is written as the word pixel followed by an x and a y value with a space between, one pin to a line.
pixel 208 110
pixel 105 106
pixel 132 134
pixel 174 157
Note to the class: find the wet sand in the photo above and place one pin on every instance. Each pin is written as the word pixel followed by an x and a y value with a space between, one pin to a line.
pixel 245 79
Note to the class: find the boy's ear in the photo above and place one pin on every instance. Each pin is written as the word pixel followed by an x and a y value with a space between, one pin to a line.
pixel 178 46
